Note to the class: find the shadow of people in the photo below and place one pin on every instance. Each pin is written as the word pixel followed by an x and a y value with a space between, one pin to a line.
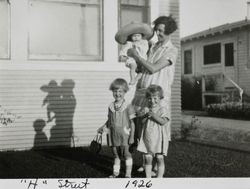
pixel 52 99
pixel 40 138
pixel 61 134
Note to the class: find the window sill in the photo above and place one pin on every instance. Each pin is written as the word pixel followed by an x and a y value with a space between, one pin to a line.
pixel 61 66
pixel 188 75
pixel 211 65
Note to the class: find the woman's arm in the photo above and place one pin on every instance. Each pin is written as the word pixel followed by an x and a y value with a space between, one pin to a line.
pixel 151 68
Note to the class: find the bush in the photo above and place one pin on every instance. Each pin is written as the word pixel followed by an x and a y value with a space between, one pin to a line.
pixel 191 98
pixel 234 110
pixel 187 129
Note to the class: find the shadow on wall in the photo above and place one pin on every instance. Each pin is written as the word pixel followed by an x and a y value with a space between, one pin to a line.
pixel 60 103
pixel 40 136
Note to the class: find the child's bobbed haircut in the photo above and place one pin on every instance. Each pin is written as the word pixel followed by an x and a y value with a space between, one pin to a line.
pixel 119 83
pixel 168 21
pixel 154 90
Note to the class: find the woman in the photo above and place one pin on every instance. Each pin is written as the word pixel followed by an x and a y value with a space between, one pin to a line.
pixel 158 70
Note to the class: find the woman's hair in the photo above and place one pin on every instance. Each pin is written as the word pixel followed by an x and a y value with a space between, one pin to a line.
pixel 168 21
pixel 154 90
pixel 119 83
pixel 130 36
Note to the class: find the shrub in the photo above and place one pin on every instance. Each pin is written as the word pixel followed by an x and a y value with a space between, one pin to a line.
pixel 187 129
pixel 234 110
pixel 191 98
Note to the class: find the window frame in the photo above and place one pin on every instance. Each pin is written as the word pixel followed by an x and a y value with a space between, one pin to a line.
pixel 203 54
pixel 8 55
pixel 192 61
pixel 83 58
pixel 147 11
pixel 224 54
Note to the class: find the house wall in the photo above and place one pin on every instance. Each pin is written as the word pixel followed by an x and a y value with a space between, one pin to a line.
pixel 243 58
pixel 21 80
pixel 238 73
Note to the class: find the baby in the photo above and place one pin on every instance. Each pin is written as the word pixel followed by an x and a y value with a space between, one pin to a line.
pixel 134 35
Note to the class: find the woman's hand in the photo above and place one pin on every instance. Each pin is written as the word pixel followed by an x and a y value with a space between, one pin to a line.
pixel 132 52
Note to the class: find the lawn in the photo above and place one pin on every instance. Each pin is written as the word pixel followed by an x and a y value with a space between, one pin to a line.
pixel 185 159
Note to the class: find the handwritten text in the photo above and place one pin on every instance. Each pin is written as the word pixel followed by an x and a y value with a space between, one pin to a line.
pixel 139 184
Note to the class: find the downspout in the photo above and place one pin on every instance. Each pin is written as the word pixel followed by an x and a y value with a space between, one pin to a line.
pixel 247 66
pixel 247 20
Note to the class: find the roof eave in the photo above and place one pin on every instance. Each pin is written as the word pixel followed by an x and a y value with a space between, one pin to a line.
pixel 217 30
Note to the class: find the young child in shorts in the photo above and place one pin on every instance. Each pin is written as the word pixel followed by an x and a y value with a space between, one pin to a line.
pixel 120 127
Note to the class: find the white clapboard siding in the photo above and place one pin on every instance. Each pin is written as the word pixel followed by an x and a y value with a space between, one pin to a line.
pixel 173 7
pixel 20 95
pixel 21 100
pixel 244 61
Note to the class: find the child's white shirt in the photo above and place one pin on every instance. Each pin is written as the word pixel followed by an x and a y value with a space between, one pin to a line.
pixel 141 47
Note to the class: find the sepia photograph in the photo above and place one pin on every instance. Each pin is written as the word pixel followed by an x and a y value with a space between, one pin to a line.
pixel 140 93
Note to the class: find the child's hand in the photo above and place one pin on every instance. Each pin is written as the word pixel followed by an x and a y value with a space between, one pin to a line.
pixel 100 130
pixel 146 110
pixel 143 112
pixel 150 114
pixel 131 140
pixel 123 58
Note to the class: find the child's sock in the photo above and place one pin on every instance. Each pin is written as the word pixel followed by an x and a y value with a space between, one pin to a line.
pixel 129 164
pixel 161 166
pixel 148 169
pixel 161 170
pixel 142 168
pixel 116 167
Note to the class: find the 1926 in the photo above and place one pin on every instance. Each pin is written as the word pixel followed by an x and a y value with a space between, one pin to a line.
pixel 139 184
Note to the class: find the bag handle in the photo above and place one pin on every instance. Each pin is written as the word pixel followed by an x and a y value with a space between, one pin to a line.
pixel 98 138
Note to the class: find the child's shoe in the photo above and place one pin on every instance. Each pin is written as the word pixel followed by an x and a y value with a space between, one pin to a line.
pixel 141 169
pixel 153 174
pixel 114 175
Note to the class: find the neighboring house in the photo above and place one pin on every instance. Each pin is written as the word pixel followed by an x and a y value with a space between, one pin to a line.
pixel 62 53
pixel 221 57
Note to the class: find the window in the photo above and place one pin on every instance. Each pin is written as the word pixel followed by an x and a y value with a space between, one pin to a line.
pixel 4 30
pixel 188 62
pixel 229 54
pixel 65 29
pixel 134 11
pixel 212 54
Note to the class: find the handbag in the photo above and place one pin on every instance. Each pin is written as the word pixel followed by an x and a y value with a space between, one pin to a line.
pixel 96 144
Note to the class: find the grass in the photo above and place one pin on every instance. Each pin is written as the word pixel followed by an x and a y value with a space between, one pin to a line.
pixel 184 159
